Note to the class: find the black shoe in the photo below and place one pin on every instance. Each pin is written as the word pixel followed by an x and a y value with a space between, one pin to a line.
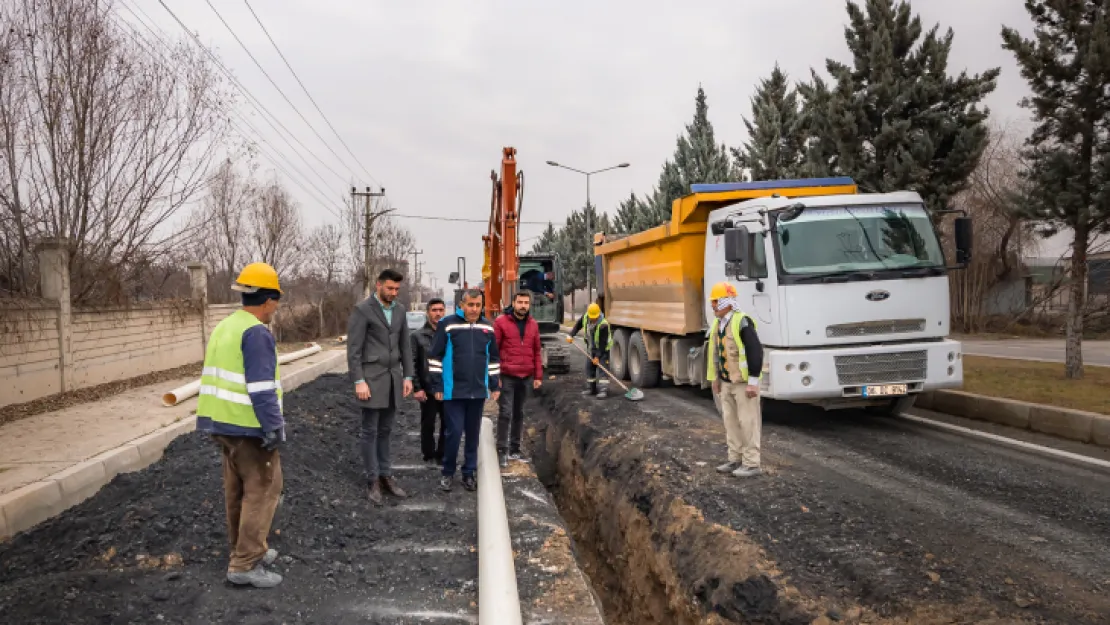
pixel 503 459
pixel 445 484
pixel 590 391
pixel 470 483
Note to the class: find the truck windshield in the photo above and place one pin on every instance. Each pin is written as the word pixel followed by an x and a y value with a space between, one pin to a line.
pixel 858 238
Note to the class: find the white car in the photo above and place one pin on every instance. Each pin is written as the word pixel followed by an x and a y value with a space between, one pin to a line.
pixel 416 319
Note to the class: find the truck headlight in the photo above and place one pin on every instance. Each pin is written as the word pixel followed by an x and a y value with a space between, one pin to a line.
pixel 951 371
pixel 951 356
pixel 803 367
pixel 806 381
pixel 789 366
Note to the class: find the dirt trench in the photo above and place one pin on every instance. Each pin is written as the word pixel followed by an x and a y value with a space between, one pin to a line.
pixel 651 557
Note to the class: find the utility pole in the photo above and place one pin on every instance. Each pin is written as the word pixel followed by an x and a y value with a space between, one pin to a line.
pixel 416 276
pixel 369 218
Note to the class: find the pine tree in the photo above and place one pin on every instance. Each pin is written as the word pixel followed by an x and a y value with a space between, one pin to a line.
pixel 1067 65
pixel 894 119
pixel 632 216
pixel 548 241
pixel 776 136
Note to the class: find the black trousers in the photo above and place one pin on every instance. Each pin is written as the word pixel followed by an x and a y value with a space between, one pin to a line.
pixel 510 413
pixel 431 412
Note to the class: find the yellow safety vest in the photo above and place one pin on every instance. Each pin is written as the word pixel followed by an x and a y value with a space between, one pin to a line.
pixel 715 340
pixel 224 392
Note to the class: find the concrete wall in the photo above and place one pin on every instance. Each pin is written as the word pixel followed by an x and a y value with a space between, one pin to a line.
pixel 48 347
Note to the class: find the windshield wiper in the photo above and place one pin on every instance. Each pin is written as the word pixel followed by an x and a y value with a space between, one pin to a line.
pixel 838 276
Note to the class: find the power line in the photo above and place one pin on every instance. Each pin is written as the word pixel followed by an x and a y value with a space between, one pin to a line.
pixel 306 92
pixel 279 90
pixel 263 111
pixel 465 220
pixel 257 135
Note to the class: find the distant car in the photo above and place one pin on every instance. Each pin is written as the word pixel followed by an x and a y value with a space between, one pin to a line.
pixel 416 319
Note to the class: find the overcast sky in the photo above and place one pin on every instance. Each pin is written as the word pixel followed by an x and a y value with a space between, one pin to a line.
pixel 426 93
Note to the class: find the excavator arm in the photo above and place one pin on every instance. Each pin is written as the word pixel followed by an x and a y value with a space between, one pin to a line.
pixel 502 263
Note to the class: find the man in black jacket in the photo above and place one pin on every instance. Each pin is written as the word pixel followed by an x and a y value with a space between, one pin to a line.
pixel 431 409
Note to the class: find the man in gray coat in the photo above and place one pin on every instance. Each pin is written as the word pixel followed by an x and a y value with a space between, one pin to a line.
pixel 379 358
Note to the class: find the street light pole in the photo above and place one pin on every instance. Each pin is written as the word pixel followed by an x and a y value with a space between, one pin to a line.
pixel 589 234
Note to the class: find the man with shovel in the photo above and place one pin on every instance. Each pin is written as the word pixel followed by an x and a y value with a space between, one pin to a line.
pixel 599 340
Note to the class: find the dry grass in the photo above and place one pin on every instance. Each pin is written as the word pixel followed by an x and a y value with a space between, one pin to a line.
pixel 1038 382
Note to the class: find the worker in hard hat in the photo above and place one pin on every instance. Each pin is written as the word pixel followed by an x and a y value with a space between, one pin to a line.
pixel 735 362
pixel 599 340
pixel 240 406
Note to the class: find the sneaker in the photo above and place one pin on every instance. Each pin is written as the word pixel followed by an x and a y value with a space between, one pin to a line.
pixel 518 457
pixel 470 483
pixel 747 472
pixel 258 577
pixel 728 467
pixel 502 460
pixel 270 557
pixel 445 484
pixel 602 394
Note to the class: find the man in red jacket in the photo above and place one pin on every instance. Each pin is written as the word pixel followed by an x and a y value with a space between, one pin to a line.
pixel 518 342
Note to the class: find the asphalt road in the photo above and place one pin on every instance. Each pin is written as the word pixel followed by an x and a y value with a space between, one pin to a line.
pixel 889 508
pixel 1051 350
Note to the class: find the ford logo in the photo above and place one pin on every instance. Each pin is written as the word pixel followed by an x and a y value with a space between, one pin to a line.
pixel 877 295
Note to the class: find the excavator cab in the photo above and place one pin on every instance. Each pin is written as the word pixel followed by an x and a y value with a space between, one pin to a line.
pixel 539 275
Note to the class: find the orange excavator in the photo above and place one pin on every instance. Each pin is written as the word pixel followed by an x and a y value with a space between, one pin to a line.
pixel 505 272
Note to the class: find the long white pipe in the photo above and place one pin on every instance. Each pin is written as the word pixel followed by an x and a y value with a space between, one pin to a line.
pixel 498 601
pixel 181 393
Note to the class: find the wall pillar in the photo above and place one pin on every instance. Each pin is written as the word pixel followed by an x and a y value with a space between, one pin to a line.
pixel 198 283
pixel 54 283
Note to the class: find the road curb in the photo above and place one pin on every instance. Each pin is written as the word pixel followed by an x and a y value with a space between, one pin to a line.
pixel 34 503
pixel 1075 425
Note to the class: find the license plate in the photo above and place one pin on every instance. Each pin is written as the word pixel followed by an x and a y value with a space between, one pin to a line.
pixel 884 390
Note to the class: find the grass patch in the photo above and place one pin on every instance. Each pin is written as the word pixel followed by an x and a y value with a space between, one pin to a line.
pixel 1038 382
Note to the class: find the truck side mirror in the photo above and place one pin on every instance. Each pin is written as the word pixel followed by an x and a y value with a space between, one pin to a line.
pixel 963 232
pixel 738 250
pixel 453 277
pixel 718 227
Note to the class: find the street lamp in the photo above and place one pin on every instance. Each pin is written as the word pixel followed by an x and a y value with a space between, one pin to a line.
pixel 589 235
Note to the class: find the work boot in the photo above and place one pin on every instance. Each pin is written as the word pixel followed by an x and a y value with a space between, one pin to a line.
pixel 590 390
pixel 390 486
pixel 503 459
pixel 747 472
pixel 258 577
pixel 728 467
pixel 603 393
pixel 270 557
pixel 375 492
pixel 470 483
pixel 445 484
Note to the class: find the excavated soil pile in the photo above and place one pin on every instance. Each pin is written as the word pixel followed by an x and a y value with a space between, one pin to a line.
pixel 817 539
pixel 151 546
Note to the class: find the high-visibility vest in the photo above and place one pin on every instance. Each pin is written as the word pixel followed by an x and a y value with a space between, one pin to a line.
pixel 715 341
pixel 224 392
pixel 597 334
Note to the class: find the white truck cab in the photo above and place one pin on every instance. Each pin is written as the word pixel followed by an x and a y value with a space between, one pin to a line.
pixel 849 294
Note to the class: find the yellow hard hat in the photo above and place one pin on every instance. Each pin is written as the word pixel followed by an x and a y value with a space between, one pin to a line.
pixel 594 311
pixel 722 289
pixel 257 276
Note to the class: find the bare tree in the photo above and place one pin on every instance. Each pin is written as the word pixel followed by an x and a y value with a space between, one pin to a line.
pixel 102 143
pixel 275 230
pixel 220 227
pixel 326 258
pixel 995 200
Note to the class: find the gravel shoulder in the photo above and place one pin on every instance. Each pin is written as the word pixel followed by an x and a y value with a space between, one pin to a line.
pixel 868 519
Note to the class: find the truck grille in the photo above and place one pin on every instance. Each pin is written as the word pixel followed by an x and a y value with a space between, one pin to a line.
pixel 857 369
pixel 886 326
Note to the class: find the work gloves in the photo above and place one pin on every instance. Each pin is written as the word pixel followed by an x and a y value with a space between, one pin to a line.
pixel 271 439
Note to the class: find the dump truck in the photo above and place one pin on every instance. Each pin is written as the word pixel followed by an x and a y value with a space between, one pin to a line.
pixel 849 291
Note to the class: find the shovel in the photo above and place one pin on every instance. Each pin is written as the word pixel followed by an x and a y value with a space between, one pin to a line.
pixel 631 394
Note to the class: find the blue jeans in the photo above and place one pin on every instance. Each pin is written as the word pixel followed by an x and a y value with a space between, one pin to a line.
pixel 462 415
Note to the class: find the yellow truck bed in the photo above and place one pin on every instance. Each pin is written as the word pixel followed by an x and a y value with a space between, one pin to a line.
pixel 653 279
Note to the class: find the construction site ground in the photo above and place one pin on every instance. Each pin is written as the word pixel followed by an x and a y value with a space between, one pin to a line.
pixel 150 547
pixel 858 518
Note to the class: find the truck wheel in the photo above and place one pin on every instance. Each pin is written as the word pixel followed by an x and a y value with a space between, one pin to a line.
pixel 643 372
pixel 618 356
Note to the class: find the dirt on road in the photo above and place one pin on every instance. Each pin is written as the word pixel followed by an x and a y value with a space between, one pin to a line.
pixel 858 519
pixel 151 546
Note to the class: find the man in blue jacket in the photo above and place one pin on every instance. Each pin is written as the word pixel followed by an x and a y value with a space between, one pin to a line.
pixel 464 370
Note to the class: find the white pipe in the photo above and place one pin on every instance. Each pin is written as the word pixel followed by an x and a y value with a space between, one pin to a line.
pixel 181 393
pixel 498 601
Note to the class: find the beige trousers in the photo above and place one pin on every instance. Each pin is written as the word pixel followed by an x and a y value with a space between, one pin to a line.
pixel 743 423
